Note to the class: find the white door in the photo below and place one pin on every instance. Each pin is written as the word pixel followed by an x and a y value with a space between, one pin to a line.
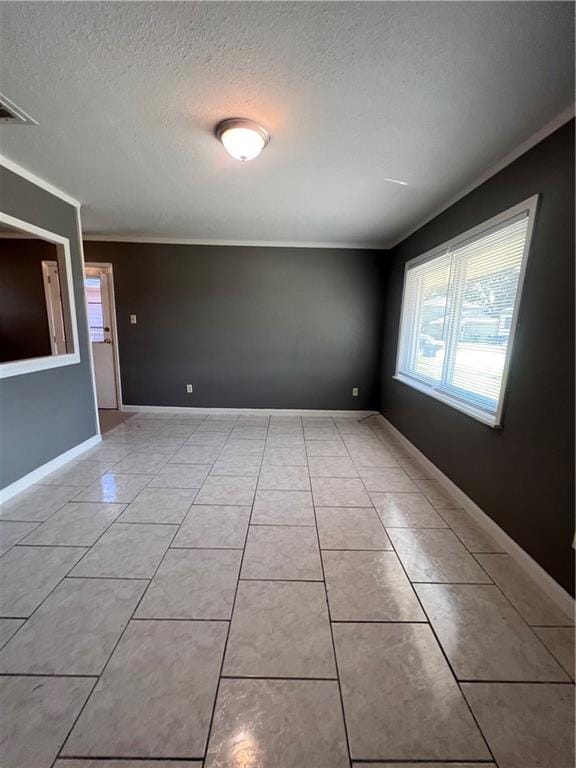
pixel 98 285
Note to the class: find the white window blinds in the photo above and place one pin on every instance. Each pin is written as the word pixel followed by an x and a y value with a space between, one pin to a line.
pixel 458 314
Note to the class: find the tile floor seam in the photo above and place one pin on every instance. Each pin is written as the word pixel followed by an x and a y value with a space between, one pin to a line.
pixel 505 595
pixel 225 549
pixel 130 758
pixel 439 644
pixel 74 721
pixel 346 438
pixel 46 674
pixel 225 647
pixel 347 736
pixel 497 681
pixel 110 578
pixel 89 546
pixel 290 678
pixel 297 581
pixel 151 477
pixel 520 617
pixel 51 591
pixel 180 618
pixel 482 584
pixel 116 644
pixel 485 740
pixel 52 546
pixel 33 523
pixel 35 486
pixel 549 626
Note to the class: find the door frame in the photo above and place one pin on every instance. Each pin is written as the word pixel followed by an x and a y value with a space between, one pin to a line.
pixel 109 269
pixel 51 310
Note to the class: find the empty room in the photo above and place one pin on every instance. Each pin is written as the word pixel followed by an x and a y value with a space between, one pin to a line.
pixel 287 384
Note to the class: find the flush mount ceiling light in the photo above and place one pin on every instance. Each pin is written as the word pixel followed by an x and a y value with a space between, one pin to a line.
pixel 243 139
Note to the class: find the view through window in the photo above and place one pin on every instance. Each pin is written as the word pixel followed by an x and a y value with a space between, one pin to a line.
pixel 94 303
pixel 458 313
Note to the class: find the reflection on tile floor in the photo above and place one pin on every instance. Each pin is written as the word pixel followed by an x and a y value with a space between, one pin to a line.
pixel 268 592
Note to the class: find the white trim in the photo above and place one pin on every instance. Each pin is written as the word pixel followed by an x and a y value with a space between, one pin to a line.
pixel 437 391
pixel 557 122
pixel 39 182
pixel 88 342
pixel 113 327
pixel 40 472
pixel 532 569
pixel 529 205
pixel 22 117
pixel 55 313
pixel 34 364
pixel 244 411
pixel 463 407
pixel 48 299
pixel 233 243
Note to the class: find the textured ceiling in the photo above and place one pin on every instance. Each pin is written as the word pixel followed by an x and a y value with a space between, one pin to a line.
pixel 126 96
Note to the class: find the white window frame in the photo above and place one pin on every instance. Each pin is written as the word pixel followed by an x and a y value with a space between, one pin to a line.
pixel 493 420
pixel 34 364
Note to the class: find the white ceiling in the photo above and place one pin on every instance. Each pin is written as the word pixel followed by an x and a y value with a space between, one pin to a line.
pixel 126 96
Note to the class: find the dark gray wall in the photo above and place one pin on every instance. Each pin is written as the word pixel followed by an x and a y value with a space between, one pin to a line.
pixel 247 327
pixel 46 413
pixel 24 329
pixel 522 475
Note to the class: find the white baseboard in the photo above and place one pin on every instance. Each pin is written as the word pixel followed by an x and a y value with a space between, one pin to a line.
pixel 243 411
pixel 50 466
pixel 535 571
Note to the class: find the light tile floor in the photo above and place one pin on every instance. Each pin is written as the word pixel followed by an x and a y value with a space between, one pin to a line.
pixel 255 592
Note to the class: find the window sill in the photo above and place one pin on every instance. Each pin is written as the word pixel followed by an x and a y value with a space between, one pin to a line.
pixel 35 364
pixel 475 413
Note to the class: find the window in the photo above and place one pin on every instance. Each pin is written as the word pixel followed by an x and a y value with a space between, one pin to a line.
pixel 38 328
pixel 459 312
pixel 94 306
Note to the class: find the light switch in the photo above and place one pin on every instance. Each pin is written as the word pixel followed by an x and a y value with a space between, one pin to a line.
pixel 133 319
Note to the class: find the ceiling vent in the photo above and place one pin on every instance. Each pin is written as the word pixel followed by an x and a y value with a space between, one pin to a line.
pixel 11 114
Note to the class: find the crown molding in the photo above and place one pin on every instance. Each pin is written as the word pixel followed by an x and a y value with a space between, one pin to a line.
pixel 564 116
pixel 233 243
pixel 38 181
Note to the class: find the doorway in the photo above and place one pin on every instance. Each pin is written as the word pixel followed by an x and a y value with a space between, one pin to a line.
pixel 54 312
pixel 99 286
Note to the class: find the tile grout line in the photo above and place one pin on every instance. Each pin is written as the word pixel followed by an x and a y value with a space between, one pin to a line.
pixel 225 648
pixel 429 623
pixel 138 602
pixel 177 526
pixel 88 547
pixel 116 644
pixel 339 682
pixel 467 704
pixel 51 592
pixel 473 555
pixel 133 759
pixel 484 737
pixel 433 763
pixel 39 522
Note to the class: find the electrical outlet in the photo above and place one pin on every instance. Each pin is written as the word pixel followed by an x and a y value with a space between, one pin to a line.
pixel 133 319
pixel 354 391
pixel 189 388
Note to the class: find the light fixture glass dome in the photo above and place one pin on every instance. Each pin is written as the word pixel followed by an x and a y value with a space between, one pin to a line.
pixel 242 139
